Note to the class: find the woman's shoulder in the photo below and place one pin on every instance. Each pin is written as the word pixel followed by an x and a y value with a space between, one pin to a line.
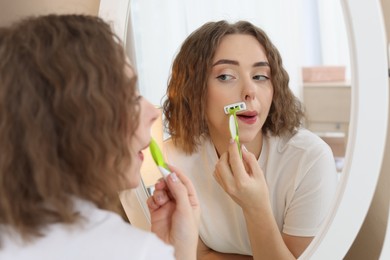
pixel 100 234
pixel 171 148
pixel 200 160
pixel 108 233
pixel 135 243
pixel 302 140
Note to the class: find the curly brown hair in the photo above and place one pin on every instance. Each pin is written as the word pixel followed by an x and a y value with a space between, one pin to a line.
pixel 67 111
pixel 184 108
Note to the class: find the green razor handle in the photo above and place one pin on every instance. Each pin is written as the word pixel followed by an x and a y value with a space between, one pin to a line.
pixel 233 126
pixel 158 158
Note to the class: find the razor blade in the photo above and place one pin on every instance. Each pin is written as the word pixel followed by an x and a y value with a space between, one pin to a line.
pixel 240 106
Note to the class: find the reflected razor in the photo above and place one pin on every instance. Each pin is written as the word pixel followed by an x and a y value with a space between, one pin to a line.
pixel 233 124
pixel 236 107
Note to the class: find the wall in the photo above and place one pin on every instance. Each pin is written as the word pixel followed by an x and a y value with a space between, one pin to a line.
pixel 368 243
pixel 15 9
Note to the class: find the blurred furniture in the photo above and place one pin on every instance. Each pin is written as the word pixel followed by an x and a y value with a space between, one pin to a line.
pixel 135 207
pixel 327 109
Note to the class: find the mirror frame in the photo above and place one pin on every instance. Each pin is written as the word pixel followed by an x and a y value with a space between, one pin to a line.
pixel 367 42
pixel 367 131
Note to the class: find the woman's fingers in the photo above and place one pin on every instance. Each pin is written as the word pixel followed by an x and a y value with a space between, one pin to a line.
pixel 223 173
pixel 151 204
pixel 235 161
pixel 177 179
pixel 251 164
pixel 159 198
pixel 160 185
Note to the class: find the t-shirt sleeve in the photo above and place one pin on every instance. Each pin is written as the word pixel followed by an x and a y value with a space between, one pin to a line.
pixel 315 189
pixel 156 249
pixel 132 243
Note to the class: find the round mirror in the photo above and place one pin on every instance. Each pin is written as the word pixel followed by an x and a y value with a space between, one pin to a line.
pixel 368 122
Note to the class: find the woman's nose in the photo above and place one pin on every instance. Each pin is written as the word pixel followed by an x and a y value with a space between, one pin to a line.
pixel 156 113
pixel 153 111
pixel 248 90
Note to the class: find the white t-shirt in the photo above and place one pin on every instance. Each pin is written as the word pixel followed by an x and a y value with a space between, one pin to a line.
pixel 103 235
pixel 301 176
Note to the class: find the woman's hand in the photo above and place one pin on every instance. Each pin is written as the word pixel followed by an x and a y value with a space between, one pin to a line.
pixel 175 213
pixel 242 179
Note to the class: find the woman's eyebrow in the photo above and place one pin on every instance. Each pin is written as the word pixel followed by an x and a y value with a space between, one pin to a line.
pixel 233 62
pixel 261 64
pixel 225 61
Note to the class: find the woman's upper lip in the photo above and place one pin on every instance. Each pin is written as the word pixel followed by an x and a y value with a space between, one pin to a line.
pixel 248 113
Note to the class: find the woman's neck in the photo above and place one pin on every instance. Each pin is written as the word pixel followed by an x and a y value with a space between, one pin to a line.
pixel 254 146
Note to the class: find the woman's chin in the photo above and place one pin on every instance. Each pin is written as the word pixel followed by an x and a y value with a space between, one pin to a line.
pixel 133 181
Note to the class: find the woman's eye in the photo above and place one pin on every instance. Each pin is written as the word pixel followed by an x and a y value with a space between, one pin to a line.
pixel 137 98
pixel 260 77
pixel 224 77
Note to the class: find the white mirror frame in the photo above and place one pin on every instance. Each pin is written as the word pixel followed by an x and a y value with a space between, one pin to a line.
pixel 368 125
pixel 367 131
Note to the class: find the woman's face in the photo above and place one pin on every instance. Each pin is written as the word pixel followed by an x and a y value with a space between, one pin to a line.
pixel 240 73
pixel 140 140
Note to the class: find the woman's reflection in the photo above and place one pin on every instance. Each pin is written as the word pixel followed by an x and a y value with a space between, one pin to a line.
pixel 271 203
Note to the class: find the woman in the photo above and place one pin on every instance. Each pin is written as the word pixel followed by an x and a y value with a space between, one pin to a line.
pixel 270 204
pixel 72 131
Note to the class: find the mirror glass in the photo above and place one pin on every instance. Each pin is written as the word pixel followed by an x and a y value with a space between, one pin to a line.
pixel 314 49
pixel 310 35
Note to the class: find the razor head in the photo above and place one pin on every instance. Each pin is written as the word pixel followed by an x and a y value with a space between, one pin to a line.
pixel 240 106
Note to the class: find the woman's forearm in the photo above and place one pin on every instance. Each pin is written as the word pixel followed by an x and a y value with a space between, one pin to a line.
pixel 265 237
pixel 205 253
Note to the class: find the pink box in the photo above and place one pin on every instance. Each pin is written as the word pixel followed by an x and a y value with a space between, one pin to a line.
pixel 323 73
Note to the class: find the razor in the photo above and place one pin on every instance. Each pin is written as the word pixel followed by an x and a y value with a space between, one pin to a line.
pixel 158 158
pixel 240 106
pixel 233 124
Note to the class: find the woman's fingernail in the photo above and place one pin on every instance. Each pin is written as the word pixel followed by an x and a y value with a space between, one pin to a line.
pixel 231 141
pixel 173 177
pixel 244 148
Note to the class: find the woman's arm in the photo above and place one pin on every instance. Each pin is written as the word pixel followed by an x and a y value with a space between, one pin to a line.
pixel 205 253
pixel 246 185
pixel 266 240
pixel 296 244
pixel 175 213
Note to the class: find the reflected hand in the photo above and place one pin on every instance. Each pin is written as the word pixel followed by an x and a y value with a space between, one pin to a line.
pixel 242 179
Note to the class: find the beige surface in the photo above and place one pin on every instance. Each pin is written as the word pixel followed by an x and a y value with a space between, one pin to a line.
pixel 11 10
pixel 323 73
pixel 327 103
pixel 327 109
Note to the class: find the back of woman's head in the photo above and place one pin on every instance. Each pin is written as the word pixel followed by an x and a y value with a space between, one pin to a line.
pixel 65 108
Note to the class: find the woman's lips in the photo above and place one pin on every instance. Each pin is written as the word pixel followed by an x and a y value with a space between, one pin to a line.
pixel 141 156
pixel 248 117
